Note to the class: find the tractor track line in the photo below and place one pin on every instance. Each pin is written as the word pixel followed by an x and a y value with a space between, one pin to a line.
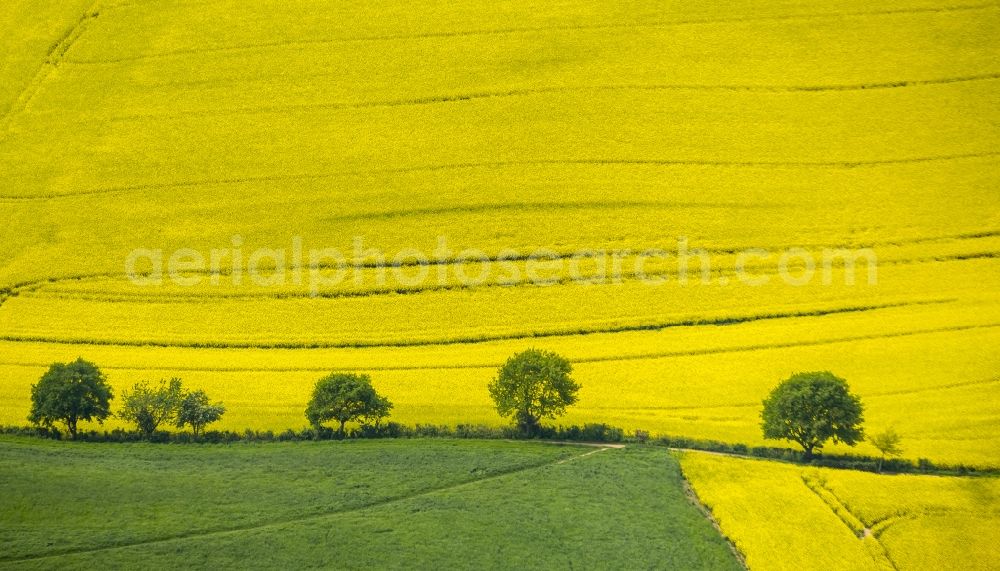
pixel 836 506
pixel 53 59
pixel 477 339
pixel 757 404
pixel 260 179
pixel 540 29
pixel 583 360
pixel 14 288
pixel 528 92
pixel 628 277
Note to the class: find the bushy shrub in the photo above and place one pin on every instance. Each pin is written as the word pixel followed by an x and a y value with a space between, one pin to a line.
pixel 346 397
pixel 585 433
pixel 589 433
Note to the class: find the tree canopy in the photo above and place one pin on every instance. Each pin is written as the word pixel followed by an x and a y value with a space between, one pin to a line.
pixel 149 406
pixel 888 443
pixel 811 408
pixel 346 397
pixel 69 393
pixel 196 411
pixel 533 385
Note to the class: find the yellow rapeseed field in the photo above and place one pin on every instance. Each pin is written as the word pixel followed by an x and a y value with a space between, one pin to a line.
pixel 426 188
pixel 783 516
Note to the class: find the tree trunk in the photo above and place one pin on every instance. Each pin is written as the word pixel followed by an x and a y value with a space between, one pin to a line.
pixel 808 452
pixel 341 432
pixel 71 426
pixel 880 460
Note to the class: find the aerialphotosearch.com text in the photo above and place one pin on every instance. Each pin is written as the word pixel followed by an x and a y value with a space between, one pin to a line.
pixel 320 269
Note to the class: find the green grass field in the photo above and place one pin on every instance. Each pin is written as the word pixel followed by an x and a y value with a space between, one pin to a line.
pixel 580 126
pixel 353 505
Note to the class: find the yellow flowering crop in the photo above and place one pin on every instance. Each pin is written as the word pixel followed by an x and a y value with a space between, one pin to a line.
pixel 783 516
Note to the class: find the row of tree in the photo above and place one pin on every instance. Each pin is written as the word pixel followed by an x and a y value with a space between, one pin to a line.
pixel 808 408
pixel 78 391
pixel 529 387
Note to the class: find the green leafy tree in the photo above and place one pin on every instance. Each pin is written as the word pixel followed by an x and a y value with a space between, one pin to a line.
pixel 346 397
pixel 378 410
pixel 69 393
pixel 811 408
pixel 887 442
pixel 533 385
pixel 148 407
pixel 196 411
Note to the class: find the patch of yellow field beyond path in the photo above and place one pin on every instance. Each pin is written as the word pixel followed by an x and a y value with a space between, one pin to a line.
pixel 783 516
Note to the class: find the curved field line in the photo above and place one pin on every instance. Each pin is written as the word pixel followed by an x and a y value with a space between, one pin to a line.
pixel 527 92
pixel 936 388
pixel 880 526
pixel 568 331
pixel 839 508
pixel 53 59
pixel 511 164
pixel 243 81
pixel 786 345
pixel 29 285
pixel 566 255
pixel 600 359
pixel 532 206
pixel 538 29
pixel 834 503
pixel 298 519
pixel 39 291
pixel 757 404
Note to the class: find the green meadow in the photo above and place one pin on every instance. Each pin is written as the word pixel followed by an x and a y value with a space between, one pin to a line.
pixel 349 505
